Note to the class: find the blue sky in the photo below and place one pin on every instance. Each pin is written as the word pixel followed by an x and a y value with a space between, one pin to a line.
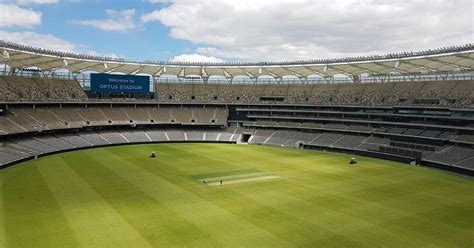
pixel 146 41
pixel 237 30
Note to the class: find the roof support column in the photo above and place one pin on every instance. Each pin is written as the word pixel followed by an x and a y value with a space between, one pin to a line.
pixel 304 80
pixel 254 80
pixel 329 80
pixel 356 79
pixel 383 78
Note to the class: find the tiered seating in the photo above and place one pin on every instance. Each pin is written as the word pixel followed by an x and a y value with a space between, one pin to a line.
pixel 406 91
pixel 430 133
pixel 312 125
pixel 74 140
pixel 94 138
pixel 413 131
pixel 202 115
pixel 6 157
pixel 396 130
pixel 54 142
pixel 138 115
pixel 350 141
pixel 74 90
pixel 19 89
pixel 327 139
pixel 211 136
pixel 17 120
pixel 455 93
pixel 19 148
pixel 280 137
pixel 465 138
pixel 93 115
pixel 462 93
pixel 181 115
pixel 290 138
pixel 20 118
pixel 115 115
pixel 45 117
pixel 7 126
pixel 399 93
pixel 360 128
pixel 35 145
pixel 451 155
pixel 160 115
pixel 69 116
pixel 466 163
pixel 195 135
pixel 260 136
pixel 288 124
pixel 26 89
pixel 349 129
pixel 7 93
pixel 135 136
pixel 373 143
pixel 177 135
pixel 228 135
pixel 157 135
pixel 335 126
pixel 113 137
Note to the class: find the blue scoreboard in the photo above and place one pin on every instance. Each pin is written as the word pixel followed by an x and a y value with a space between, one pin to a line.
pixel 112 83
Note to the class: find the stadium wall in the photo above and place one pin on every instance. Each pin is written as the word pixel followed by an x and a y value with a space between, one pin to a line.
pixel 4 166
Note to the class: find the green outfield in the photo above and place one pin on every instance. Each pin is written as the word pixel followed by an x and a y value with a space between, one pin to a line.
pixel 119 197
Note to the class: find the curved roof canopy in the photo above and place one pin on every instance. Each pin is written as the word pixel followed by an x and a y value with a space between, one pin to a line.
pixel 452 59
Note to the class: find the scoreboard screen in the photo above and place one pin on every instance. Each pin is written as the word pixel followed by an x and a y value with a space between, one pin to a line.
pixel 112 83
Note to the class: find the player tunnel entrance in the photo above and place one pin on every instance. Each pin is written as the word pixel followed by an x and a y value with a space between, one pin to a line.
pixel 245 138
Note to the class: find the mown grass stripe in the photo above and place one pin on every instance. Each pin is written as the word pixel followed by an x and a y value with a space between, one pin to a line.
pixel 94 222
pixel 33 217
pixel 208 216
pixel 212 174
pixel 318 201
pixel 236 177
pixel 150 217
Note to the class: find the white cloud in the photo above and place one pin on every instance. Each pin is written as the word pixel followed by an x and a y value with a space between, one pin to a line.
pixel 110 55
pixel 13 16
pixel 304 29
pixel 160 1
pixel 47 41
pixel 37 1
pixel 117 21
pixel 195 58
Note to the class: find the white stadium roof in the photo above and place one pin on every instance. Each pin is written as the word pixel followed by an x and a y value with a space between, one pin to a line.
pixel 452 59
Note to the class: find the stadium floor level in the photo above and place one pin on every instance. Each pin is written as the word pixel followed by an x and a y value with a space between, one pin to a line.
pixel 119 196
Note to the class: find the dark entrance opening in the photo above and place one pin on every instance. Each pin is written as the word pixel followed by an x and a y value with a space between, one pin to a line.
pixel 245 138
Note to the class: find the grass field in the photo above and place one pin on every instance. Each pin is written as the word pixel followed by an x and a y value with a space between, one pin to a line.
pixel 118 197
